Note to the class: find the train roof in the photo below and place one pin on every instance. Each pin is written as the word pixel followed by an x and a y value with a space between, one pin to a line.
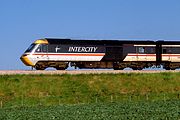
pixel 96 42
pixel 169 42
pixel 109 42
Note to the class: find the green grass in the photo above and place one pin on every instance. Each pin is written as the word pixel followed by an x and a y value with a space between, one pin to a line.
pixel 47 90
pixel 90 96
pixel 158 110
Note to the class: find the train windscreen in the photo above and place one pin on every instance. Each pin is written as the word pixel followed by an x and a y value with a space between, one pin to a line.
pixel 30 48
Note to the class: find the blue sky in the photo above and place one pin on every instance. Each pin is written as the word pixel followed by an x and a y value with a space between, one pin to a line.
pixel 23 21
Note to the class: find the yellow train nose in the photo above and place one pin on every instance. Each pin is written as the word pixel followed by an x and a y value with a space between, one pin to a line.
pixel 26 60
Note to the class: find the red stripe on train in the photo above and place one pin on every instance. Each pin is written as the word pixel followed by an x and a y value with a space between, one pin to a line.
pixel 164 55
pixel 72 54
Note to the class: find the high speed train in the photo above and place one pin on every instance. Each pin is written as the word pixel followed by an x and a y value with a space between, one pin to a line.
pixel 116 54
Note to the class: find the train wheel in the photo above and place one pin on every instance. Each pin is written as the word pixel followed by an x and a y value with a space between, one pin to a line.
pixel 116 68
pixel 39 68
pixel 134 68
pixel 167 68
pixel 137 68
pixel 173 68
pixel 60 68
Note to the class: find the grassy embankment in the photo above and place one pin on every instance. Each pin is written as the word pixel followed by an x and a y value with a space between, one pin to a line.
pixel 44 90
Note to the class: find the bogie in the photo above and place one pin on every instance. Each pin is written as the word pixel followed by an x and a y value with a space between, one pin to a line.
pixel 42 65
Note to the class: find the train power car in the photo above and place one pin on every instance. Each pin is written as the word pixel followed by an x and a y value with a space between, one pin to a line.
pixel 116 54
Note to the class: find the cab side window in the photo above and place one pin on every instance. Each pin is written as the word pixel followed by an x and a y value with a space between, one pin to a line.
pixel 42 48
pixel 39 49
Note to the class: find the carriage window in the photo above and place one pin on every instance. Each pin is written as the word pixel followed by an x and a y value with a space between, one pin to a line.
pixel 167 50
pixel 141 50
pixel 150 50
pixel 175 50
pixel 164 51
pixel 171 50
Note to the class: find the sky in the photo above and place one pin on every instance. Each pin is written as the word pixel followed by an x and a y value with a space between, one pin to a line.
pixel 24 21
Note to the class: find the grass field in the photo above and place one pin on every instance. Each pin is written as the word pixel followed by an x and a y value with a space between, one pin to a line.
pixel 158 110
pixel 134 92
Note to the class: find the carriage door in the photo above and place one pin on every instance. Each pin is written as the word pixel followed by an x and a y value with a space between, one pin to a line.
pixel 166 53
pixel 114 53
pixel 141 56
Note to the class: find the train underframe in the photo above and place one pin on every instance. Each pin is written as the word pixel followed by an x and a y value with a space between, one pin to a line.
pixel 42 65
pixel 135 65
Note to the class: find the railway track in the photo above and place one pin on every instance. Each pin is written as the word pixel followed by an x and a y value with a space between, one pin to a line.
pixel 34 72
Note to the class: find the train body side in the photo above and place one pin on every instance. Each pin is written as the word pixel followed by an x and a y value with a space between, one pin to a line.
pixel 102 54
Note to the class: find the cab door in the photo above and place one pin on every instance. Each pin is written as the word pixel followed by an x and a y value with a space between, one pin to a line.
pixel 41 52
pixel 45 52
